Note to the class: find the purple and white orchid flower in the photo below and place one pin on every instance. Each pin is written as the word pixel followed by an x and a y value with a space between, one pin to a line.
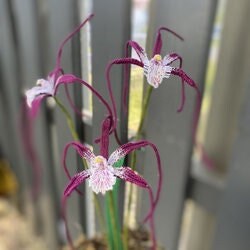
pixel 155 69
pixel 102 173
pixel 47 87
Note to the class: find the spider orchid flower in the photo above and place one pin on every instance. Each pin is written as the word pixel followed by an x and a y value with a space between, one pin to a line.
pixel 155 69
pixel 48 87
pixel 102 173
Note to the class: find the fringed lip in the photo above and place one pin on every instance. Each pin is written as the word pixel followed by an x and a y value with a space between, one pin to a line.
pixel 102 173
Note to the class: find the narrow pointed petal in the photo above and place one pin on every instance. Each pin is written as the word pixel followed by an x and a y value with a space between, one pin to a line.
pixel 139 50
pixel 37 93
pixel 76 181
pixel 104 148
pixel 158 41
pixel 186 78
pixel 76 30
pixel 124 150
pixel 124 61
pixel 183 97
pixel 83 151
pixel 169 59
pixel 131 146
pixel 70 79
pixel 127 174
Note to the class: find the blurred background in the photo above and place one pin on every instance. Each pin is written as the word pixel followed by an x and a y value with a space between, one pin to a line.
pixel 205 200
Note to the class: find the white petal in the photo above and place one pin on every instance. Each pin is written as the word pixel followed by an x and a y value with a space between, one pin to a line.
pixel 44 88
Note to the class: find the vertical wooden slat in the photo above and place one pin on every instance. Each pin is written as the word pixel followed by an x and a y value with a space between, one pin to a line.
pixel 33 51
pixel 172 132
pixel 233 80
pixel 78 99
pixel 61 23
pixel 11 76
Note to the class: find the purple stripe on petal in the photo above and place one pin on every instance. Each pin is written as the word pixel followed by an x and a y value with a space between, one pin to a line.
pixel 124 150
pixel 127 174
pixel 76 181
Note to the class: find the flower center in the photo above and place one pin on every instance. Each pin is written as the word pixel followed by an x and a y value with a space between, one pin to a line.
pixel 157 57
pixel 102 177
pixel 100 162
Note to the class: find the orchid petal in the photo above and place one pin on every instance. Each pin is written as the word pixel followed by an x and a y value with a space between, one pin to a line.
pixel 169 59
pixel 77 29
pixel 124 61
pixel 123 151
pixel 127 174
pixel 187 79
pixel 183 97
pixel 158 41
pixel 36 92
pixel 70 79
pixel 104 148
pixel 34 102
pixel 139 50
pixel 131 146
pixel 73 184
pixel 76 181
pixel 83 151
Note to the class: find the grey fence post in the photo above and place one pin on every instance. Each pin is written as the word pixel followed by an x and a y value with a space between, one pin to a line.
pixel 172 132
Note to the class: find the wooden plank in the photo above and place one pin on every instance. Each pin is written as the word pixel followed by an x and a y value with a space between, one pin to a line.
pixel 233 222
pixel 11 97
pixel 60 24
pixel 33 52
pixel 172 132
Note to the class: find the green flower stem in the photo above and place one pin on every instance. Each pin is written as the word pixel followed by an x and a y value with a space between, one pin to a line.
pixel 144 111
pixel 138 135
pixel 76 137
pixel 112 223
pixel 69 120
